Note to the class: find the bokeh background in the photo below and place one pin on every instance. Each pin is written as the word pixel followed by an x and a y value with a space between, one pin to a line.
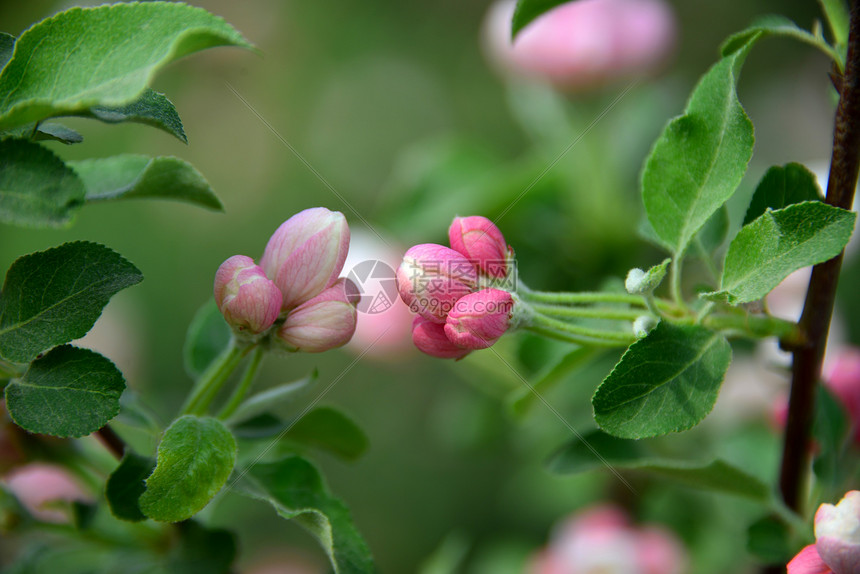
pixel 396 106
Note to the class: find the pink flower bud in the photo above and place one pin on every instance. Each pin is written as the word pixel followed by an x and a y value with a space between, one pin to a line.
pixel 41 489
pixel 430 338
pixel 837 533
pixel 583 44
pixel 432 278
pixel 247 298
pixel 325 322
pixel 481 242
pixel 844 382
pixel 479 319
pixel 306 254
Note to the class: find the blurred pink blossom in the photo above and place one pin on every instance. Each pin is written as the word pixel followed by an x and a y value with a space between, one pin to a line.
pixel 602 540
pixel 39 485
pixel 584 43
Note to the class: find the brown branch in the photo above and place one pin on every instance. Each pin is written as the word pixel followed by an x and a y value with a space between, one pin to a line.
pixel 818 307
pixel 112 441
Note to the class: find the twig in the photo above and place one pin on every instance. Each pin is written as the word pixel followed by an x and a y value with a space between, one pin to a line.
pixel 818 307
pixel 111 440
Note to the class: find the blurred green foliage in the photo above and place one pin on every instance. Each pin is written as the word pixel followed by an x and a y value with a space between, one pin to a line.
pixel 394 105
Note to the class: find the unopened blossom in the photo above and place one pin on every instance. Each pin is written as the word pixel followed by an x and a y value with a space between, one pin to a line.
pixel 430 338
pixel 306 253
pixel 837 540
pixel 325 322
pixel 43 488
pixel 248 299
pixel 431 278
pixel 583 44
pixel 482 243
pixel 843 380
pixel 477 320
pixel 601 539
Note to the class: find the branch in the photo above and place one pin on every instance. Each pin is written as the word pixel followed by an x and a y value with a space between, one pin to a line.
pixel 820 297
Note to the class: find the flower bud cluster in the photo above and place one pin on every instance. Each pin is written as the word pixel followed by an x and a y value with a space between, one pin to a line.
pixel 295 290
pixel 460 293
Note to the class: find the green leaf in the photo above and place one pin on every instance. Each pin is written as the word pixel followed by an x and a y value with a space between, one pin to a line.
pixel 207 337
pixel 194 460
pixel 52 297
pixel 7 46
pixel 272 398
pixel 528 10
pixel 778 243
pixel 330 430
pixel 716 475
pixel 769 539
pixel 665 382
pixel 782 186
pixel 576 456
pixel 51 72
pixel 151 108
pixel 36 188
pixel 775 25
pixel 68 392
pixel 130 176
pixel 202 550
pixel 45 131
pixel 296 490
pixel 700 158
pixel 713 233
pixel 125 485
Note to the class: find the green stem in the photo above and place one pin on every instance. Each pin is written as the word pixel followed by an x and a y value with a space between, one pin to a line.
pixel 587 312
pixel 244 385
pixel 213 378
pixel 675 277
pixel 581 298
pixel 570 338
pixel 586 335
pixel 756 326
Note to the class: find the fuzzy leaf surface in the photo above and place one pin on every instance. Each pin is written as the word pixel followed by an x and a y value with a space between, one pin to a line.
pixel 60 67
pixel 36 188
pixel 52 297
pixel 665 382
pixel 779 243
pixel 700 158
pixel 194 460
pixel 132 176
pixel 68 392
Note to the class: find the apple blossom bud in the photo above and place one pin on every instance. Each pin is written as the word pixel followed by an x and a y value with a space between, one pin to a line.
pixel 584 44
pixel 247 298
pixel 479 319
pixel 430 338
pixel 843 381
pixel 837 533
pixel 42 487
pixel 306 253
pixel 482 243
pixel 431 278
pixel 325 322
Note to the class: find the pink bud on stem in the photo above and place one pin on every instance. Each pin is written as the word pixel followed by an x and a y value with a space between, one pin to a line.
pixel 306 253
pixel 247 298
pixel 324 322
pixel 430 338
pixel 482 243
pixel 478 320
pixel 432 278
